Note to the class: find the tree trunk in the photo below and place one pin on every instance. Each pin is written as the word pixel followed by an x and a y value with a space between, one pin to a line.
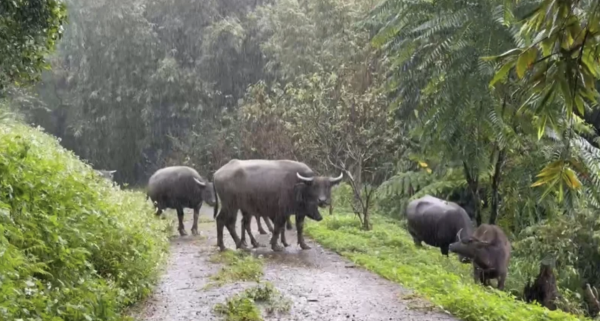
pixel 473 183
pixel 496 186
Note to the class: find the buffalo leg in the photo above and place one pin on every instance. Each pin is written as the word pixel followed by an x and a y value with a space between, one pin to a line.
pixel 501 280
pixel 288 223
pixel 196 215
pixel 230 224
pixel 261 230
pixel 220 226
pixel 246 220
pixel 279 225
pixel 180 218
pixel 477 275
pixel 300 231
pixel 283 240
pixel 444 249
pixel 268 222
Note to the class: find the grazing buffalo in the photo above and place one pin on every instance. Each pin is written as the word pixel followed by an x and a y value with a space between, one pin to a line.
pixel 272 188
pixel 489 249
pixel 437 222
pixel 180 187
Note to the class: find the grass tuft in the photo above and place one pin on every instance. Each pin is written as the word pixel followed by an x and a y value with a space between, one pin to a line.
pixel 239 266
pixel 389 251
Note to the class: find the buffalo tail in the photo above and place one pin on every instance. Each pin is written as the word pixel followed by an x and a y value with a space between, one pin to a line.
pixel 216 209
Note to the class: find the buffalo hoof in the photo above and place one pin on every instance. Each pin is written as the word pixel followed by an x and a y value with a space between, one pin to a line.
pixel 285 244
pixel 222 248
pixel 182 232
pixel 243 244
pixel 194 231
pixel 262 232
pixel 255 245
pixel 277 248
pixel 304 246
pixel 289 227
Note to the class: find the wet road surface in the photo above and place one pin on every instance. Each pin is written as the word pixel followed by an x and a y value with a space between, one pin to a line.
pixel 322 285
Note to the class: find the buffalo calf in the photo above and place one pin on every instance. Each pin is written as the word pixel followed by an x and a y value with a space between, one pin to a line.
pixel 489 250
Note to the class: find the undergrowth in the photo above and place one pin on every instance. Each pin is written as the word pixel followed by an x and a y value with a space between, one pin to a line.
pixel 389 251
pixel 72 246
pixel 238 266
pixel 246 305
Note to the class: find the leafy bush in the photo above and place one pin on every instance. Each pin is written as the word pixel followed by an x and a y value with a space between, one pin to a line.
pixel 389 251
pixel 72 246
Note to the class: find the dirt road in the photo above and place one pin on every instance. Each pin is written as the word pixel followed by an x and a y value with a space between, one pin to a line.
pixel 322 285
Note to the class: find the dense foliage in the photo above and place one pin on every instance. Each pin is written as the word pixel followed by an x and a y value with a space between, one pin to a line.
pixel 29 32
pixel 74 247
pixel 491 103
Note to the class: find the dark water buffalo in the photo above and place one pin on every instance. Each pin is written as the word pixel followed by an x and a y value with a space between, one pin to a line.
pixel 437 222
pixel 180 187
pixel 489 249
pixel 272 188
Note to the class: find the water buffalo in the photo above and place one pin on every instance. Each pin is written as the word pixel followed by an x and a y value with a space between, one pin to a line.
pixel 437 222
pixel 180 187
pixel 489 249
pixel 272 188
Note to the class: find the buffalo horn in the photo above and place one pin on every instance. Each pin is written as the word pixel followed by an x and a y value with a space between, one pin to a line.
pixel 306 179
pixel 458 235
pixel 199 182
pixel 336 179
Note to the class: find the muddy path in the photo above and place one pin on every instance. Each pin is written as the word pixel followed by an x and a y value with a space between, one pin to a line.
pixel 322 285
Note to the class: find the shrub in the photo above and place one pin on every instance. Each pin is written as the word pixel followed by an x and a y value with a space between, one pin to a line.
pixel 72 246
pixel 389 251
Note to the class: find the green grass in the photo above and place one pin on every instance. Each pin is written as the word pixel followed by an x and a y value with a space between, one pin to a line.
pixel 72 246
pixel 245 306
pixel 389 251
pixel 238 266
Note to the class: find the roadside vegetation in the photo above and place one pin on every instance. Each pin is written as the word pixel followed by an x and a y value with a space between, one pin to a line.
pixel 237 266
pixel 73 247
pixel 250 304
pixel 247 305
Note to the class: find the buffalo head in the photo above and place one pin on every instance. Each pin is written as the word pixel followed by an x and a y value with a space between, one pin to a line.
pixel 459 236
pixel 468 248
pixel 208 192
pixel 314 192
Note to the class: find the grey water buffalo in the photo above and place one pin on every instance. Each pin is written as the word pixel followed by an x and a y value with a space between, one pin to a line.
pixel 272 188
pixel 437 222
pixel 180 187
pixel 489 250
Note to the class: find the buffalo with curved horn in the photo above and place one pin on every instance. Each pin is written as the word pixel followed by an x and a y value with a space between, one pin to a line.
pixel 272 188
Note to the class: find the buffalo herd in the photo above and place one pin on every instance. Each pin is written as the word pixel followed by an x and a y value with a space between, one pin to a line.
pixel 273 190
